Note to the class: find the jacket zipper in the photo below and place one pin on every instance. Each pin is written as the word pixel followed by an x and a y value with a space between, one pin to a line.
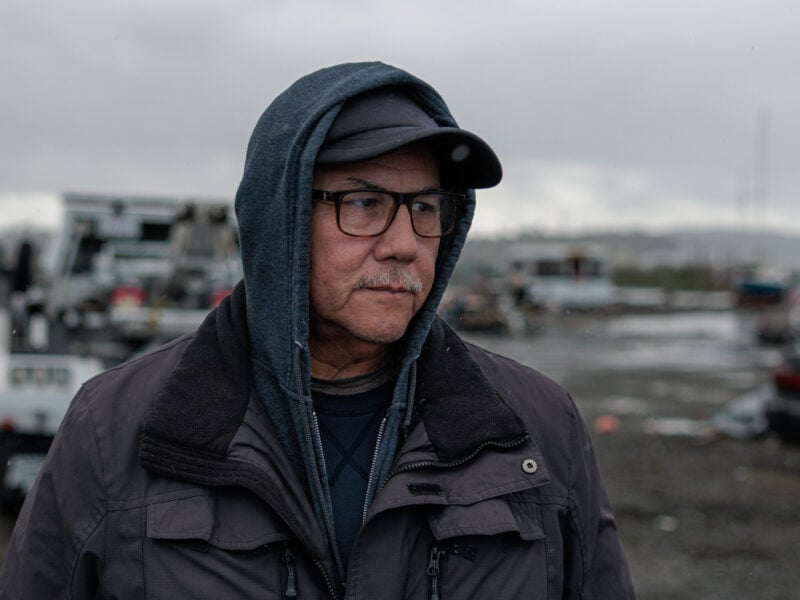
pixel 291 577
pixel 328 582
pixel 318 441
pixel 315 445
pixel 434 570
pixel 326 516
pixel 372 483
pixel 436 464
pixel 322 498
pixel 371 480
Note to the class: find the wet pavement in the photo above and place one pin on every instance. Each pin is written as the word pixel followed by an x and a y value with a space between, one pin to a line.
pixel 702 516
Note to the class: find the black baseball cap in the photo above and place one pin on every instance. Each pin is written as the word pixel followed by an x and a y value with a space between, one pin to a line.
pixel 387 119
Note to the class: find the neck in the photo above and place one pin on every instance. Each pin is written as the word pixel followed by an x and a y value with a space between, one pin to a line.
pixel 331 361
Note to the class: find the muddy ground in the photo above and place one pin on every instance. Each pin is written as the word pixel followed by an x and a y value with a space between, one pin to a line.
pixel 705 518
pixel 702 516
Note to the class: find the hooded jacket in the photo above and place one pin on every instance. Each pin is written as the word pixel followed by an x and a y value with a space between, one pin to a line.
pixel 194 472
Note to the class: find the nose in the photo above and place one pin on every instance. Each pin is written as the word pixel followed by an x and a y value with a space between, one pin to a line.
pixel 399 241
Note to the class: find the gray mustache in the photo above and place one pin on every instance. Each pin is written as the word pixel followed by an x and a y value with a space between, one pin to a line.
pixel 396 277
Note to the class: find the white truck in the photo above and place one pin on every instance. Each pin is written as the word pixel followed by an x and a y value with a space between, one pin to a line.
pixel 121 274
pixel 35 391
pixel 126 271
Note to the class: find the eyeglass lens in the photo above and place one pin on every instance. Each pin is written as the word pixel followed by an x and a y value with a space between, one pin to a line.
pixel 371 213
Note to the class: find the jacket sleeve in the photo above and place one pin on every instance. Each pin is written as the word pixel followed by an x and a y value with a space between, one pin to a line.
pixel 55 549
pixel 604 573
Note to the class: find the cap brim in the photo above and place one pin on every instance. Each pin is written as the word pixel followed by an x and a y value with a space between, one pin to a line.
pixel 465 160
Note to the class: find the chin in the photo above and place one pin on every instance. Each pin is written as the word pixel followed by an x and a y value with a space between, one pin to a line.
pixel 383 337
pixel 382 333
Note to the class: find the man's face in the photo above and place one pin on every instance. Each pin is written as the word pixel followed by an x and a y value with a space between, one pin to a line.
pixel 357 290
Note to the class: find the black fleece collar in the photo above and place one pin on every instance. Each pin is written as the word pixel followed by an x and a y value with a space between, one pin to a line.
pixel 461 409
pixel 203 402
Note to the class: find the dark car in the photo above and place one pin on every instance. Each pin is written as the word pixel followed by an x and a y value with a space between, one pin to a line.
pixel 783 409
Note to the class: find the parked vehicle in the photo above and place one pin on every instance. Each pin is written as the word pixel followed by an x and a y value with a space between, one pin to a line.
pixel 761 285
pixel 123 271
pixel 780 323
pixel 35 392
pixel 783 408
pixel 560 277
pixel 121 274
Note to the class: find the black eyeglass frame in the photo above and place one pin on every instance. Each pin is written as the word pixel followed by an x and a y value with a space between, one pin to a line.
pixel 399 198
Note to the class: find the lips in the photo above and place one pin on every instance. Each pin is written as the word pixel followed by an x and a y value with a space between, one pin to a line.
pixel 390 289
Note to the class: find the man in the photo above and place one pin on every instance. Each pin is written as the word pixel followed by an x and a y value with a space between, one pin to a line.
pixel 323 434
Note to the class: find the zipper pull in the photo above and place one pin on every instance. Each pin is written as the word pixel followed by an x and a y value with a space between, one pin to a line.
pixel 291 578
pixel 433 571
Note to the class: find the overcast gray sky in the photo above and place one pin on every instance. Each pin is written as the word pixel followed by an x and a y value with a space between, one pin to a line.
pixel 608 114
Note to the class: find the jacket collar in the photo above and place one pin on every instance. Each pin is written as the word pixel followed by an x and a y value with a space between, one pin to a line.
pixel 203 402
pixel 461 409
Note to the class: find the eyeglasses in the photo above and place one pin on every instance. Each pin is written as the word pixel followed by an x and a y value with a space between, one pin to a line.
pixel 369 213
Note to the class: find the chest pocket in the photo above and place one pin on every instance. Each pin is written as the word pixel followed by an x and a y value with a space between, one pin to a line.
pixel 214 546
pixel 491 549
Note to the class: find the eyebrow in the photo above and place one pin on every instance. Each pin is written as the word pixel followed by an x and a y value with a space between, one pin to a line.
pixel 368 185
